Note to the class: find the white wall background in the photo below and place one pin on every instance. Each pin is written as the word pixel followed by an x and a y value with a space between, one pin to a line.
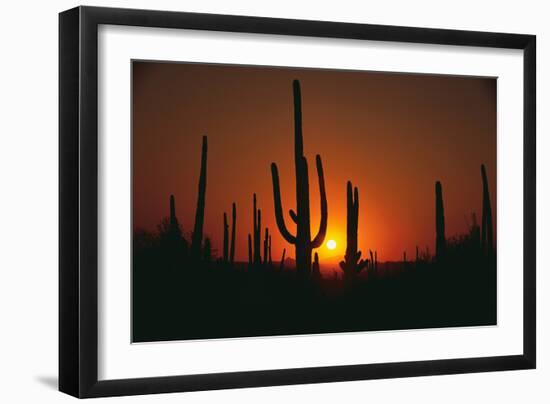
pixel 28 201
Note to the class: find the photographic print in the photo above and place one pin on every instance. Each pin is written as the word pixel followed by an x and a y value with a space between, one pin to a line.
pixel 283 201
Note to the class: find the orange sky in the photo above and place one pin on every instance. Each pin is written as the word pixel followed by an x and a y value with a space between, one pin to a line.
pixel 392 135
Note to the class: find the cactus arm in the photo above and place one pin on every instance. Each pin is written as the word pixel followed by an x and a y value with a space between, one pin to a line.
pixel 278 206
pixel 320 237
pixel 362 265
pixel 293 216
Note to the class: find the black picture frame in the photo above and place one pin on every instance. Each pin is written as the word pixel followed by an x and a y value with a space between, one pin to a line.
pixel 78 201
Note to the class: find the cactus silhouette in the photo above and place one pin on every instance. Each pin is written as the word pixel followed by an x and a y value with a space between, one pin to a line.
pixel 257 223
pixel 439 223
pixel 171 233
pixel 196 239
pixel 352 264
pixel 282 266
pixel 487 216
pixel 233 231
pixel 302 241
pixel 371 259
pixel 225 239
pixel 174 224
pixel 174 229
pixel 266 245
pixel 316 269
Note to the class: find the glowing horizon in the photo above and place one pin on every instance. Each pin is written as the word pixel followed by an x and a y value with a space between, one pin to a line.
pixel 393 135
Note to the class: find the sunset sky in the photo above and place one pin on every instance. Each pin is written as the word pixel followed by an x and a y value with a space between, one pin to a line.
pixel 392 135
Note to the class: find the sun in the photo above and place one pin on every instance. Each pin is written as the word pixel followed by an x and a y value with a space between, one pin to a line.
pixel 331 244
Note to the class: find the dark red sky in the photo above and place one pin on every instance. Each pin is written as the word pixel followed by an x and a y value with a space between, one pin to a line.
pixel 392 135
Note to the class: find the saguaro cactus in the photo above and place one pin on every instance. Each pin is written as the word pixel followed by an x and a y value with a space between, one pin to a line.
pixel 174 239
pixel 257 223
pixel 302 241
pixel 173 218
pixel 266 245
pixel 439 223
pixel 487 216
pixel 225 239
pixel 371 259
pixel 352 264
pixel 282 266
pixel 233 230
pixel 175 230
pixel 316 268
pixel 196 239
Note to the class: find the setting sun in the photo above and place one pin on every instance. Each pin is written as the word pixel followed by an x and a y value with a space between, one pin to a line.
pixel 331 244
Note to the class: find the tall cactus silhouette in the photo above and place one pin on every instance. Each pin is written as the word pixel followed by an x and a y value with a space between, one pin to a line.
pixel 196 239
pixel 352 264
pixel 439 223
pixel 487 216
pixel 225 239
pixel 257 223
pixel 233 231
pixel 302 241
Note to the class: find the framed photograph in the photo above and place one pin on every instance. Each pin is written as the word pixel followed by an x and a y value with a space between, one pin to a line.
pixel 251 201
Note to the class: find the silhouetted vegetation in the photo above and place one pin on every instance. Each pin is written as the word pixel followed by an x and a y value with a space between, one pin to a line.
pixel 352 264
pixel 487 218
pixel 196 243
pixel 439 223
pixel 302 240
pixel 183 289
